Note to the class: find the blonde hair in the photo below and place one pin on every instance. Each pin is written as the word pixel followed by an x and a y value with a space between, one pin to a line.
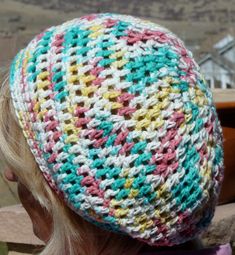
pixel 71 234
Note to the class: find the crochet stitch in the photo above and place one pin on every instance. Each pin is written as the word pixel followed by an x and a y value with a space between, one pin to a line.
pixel 122 125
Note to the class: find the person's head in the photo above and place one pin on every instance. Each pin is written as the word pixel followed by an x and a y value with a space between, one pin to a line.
pixel 111 133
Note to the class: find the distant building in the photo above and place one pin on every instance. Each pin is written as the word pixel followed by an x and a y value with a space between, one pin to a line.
pixel 218 66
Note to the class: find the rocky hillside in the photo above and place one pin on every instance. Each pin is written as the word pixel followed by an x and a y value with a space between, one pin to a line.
pixel 181 10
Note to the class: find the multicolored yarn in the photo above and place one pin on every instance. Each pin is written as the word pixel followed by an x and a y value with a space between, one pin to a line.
pixel 122 125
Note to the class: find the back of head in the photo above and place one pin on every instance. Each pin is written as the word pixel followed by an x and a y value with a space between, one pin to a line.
pixel 122 126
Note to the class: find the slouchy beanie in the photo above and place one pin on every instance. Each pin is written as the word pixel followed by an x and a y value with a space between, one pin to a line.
pixel 122 125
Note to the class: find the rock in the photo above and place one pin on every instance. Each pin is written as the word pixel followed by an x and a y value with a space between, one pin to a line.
pixel 222 228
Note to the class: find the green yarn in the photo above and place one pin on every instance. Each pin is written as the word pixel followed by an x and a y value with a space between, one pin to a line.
pixel 140 146
pixel 119 29
pixel 218 155
pixel 106 62
pixel 60 85
pixel 100 173
pixel 98 162
pixel 104 53
pixel 106 126
pixel 61 95
pixel 111 140
pixel 118 183
pixel 58 76
pixel 113 172
pixel 142 158
pixel 139 180
pixel 122 194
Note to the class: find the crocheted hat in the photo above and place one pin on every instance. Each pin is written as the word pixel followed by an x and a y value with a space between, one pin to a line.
pixel 122 125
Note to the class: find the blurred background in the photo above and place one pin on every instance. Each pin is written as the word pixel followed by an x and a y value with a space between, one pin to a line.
pixel 206 26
